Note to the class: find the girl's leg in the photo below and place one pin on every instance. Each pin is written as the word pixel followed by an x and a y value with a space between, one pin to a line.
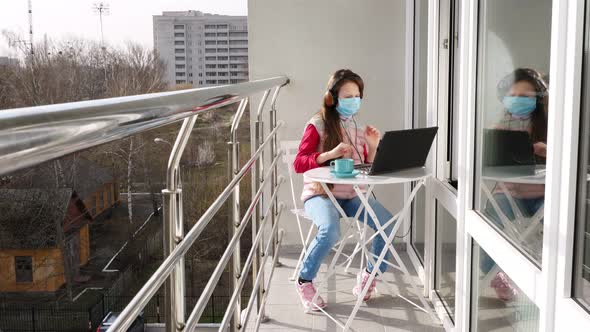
pixel 352 205
pixel 325 216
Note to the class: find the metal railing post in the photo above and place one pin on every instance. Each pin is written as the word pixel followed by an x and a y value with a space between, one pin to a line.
pixel 257 175
pixel 174 230
pixel 235 218
pixel 273 152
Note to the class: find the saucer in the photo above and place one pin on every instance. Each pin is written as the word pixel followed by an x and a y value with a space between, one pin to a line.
pixel 345 175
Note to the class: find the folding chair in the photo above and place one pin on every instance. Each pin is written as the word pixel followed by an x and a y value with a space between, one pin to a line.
pixel 290 149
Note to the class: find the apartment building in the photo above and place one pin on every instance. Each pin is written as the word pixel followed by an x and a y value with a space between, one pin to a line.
pixel 202 49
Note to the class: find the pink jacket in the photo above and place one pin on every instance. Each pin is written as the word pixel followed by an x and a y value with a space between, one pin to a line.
pixel 311 146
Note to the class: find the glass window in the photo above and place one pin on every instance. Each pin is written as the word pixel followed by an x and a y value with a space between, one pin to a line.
pixel 179 50
pixel 511 112
pixel 179 34
pixel 445 264
pixel 419 116
pixel 179 58
pixel 497 303
pixel 581 282
pixel 23 267
pixel 178 26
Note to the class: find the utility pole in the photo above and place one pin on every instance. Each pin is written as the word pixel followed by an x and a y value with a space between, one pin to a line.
pixel 31 26
pixel 101 8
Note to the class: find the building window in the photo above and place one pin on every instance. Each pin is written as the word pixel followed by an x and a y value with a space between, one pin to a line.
pixel 221 74
pixel 234 74
pixel 179 58
pixel 179 34
pixel 222 26
pixel 209 50
pixel 222 42
pixel 179 50
pixel 221 66
pixel 211 73
pixel 511 142
pixel 210 81
pixel 210 66
pixel 210 42
pixel 238 50
pixel 179 42
pixel 222 58
pixel 201 82
pixel 222 50
pixel 210 58
pixel 222 34
pixel 180 82
pixel 238 34
pixel 180 66
pixel 222 81
pixel 200 74
pixel 209 26
pixel 23 267
pixel 238 58
pixel 210 34
pixel 178 26
pixel 238 42
pixel 581 260
pixel 178 74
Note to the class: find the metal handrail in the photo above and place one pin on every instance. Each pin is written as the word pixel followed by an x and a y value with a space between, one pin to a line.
pixel 32 135
pixel 29 136
pixel 142 297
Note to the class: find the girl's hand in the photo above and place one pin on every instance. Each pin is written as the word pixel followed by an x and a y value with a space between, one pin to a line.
pixel 341 150
pixel 540 149
pixel 372 135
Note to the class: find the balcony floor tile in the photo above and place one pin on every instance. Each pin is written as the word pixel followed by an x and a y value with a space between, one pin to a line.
pixel 383 313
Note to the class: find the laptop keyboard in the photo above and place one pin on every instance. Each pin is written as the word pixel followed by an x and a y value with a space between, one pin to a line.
pixel 363 168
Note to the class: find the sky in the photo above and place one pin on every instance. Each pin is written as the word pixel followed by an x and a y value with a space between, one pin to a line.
pixel 128 20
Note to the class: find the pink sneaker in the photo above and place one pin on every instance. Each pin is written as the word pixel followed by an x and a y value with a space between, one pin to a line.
pixel 361 282
pixel 306 293
pixel 503 287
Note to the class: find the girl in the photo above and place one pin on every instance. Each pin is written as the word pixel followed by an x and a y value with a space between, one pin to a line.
pixel 330 134
pixel 524 96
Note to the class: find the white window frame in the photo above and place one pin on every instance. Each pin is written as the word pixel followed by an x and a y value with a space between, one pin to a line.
pixel 437 188
pixel 549 288
pixel 568 58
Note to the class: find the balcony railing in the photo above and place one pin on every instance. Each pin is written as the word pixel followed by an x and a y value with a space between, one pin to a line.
pixel 33 135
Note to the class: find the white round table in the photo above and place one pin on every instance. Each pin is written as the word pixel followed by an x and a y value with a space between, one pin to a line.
pixel 323 175
pixel 419 175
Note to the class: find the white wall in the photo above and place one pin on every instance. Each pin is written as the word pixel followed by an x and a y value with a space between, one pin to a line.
pixel 307 40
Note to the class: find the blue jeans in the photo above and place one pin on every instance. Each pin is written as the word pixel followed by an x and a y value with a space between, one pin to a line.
pixel 528 207
pixel 327 219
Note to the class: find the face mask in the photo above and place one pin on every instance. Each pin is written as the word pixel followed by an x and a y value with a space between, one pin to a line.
pixel 520 106
pixel 348 107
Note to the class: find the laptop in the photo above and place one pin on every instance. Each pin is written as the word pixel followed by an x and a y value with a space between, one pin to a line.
pixel 399 150
pixel 510 150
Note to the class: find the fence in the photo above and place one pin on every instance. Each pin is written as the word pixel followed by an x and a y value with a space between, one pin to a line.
pixel 68 319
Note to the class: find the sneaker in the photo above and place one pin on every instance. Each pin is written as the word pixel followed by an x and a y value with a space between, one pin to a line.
pixel 306 293
pixel 503 287
pixel 361 282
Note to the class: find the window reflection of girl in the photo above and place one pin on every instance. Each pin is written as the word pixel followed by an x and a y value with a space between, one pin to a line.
pixel 523 94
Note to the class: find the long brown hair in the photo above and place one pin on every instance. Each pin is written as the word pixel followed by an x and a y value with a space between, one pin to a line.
pixel 539 115
pixel 332 132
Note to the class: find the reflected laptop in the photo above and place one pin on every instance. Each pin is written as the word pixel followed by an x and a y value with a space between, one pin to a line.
pixel 401 149
pixel 510 150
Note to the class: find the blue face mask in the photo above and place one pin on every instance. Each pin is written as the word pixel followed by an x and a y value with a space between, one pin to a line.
pixel 520 106
pixel 348 107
